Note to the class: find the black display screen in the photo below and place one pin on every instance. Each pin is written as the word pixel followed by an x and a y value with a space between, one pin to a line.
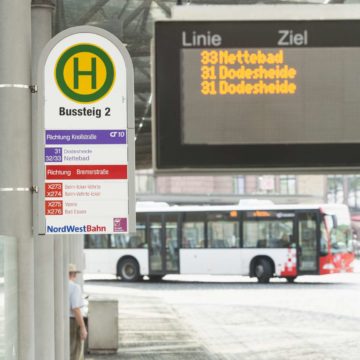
pixel 257 95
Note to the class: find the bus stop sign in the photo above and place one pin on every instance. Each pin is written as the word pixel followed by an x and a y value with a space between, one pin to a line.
pixel 86 146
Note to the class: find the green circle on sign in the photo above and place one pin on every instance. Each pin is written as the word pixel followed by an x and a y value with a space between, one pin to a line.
pixel 98 93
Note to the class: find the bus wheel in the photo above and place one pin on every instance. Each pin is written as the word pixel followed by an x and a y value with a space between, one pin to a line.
pixel 128 270
pixel 290 279
pixel 263 271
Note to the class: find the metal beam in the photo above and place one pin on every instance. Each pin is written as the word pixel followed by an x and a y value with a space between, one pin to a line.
pixel 136 12
pixel 145 19
pixel 87 16
pixel 60 21
pixel 122 12
pixel 142 87
pixel 165 7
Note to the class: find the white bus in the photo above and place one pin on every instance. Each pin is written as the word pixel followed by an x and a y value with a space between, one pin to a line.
pixel 261 241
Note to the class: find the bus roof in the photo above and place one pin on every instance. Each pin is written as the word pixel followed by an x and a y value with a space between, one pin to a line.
pixel 164 207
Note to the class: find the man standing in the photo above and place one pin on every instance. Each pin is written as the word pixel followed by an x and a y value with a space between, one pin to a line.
pixel 78 332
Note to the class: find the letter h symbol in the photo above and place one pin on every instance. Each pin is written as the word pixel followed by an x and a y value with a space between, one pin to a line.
pixel 78 73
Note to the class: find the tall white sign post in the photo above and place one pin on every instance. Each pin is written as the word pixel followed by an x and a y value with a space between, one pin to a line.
pixel 86 148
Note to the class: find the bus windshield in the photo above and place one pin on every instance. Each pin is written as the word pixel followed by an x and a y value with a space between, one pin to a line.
pixel 339 226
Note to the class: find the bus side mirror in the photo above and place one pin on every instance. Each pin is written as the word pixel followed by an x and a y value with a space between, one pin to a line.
pixel 334 221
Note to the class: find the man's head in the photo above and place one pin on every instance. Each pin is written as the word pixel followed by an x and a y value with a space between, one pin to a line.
pixel 73 271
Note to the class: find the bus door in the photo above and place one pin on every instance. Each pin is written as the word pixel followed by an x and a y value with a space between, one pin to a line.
pixel 171 243
pixel 307 244
pixel 163 244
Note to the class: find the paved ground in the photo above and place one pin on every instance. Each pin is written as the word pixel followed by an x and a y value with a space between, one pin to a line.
pixel 228 318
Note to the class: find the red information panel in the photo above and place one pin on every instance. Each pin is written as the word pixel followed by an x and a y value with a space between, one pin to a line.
pixel 53 207
pixel 86 172
pixel 53 190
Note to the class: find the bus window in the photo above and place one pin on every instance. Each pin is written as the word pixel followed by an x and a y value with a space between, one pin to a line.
pixel 156 245
pixel 125 241
pixel 268 233
pixel 141 230
pixel 120 241
pixel 193 230
pixel 324 250
pixel 222 232
pixel 171 242
pixel 131 241
pixel 340 235
pixel 96 241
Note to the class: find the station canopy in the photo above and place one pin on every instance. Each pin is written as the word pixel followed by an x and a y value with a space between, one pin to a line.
pixel 132 22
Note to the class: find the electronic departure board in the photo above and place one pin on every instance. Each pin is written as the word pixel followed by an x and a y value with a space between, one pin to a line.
pixel 257 95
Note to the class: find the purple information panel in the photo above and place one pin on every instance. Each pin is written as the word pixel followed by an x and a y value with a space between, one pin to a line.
pixel 53 154
pixel 68 137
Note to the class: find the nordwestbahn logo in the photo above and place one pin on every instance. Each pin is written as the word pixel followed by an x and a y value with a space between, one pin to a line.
pixel 85 73
pixel 76 229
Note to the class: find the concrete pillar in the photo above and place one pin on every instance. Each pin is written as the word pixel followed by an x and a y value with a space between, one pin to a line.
pixel 60 309
pixel 15 156
pixel 76 251
pixel 66 297
pixel 9 254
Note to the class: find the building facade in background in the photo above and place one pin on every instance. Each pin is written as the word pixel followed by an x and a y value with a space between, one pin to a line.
pixel 339 189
